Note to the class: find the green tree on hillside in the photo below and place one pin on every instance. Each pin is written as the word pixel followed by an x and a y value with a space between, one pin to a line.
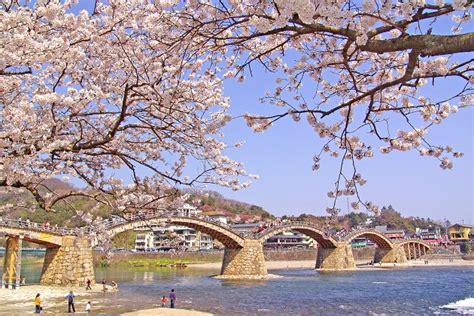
pixel 125 239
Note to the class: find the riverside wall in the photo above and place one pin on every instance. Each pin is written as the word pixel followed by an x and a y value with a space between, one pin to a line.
pixel 360 254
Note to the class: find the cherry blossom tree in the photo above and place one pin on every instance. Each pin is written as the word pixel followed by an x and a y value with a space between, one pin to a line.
pixel 137 85
pixel 360 72
pixel 111 98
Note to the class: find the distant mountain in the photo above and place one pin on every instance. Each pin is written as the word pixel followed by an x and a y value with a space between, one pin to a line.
pixel 25 206
pixel 210 202
pixel 388 216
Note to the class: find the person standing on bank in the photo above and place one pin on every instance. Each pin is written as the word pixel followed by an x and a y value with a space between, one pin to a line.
pixel 172 298
pixel 37 304
pixel 88 307
pixel 88 283
pixel 164 300
pixel 104 285
pixel 70 302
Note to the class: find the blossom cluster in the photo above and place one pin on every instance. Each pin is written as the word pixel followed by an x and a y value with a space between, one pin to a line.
pixel 90 96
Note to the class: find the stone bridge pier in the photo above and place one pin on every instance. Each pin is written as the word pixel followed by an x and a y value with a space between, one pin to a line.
pixel 336 258
pixel 70 264
pixel 393 255
pixel 246 262
pixel 67 262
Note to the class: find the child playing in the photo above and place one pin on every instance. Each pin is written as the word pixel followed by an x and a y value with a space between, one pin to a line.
pixel 164 300
pixel 88 307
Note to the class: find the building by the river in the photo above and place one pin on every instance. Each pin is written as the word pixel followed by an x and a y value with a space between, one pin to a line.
pixel 173 236
pixel 165 237
pixel 461 233
pixel 285 240
pixel 431 235
pixel 391 233
pixel 289 240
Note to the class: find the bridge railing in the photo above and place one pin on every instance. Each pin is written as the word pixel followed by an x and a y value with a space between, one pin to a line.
pixel 40 227
pixel 105 224
pixel 261 231
pixel 112 222
pixel 411 239
pixel 350 233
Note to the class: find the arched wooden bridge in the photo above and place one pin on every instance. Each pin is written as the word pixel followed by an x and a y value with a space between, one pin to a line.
pixel 371 234
pixel 224 235
pixel 414 248
pixel 307 229
pixel 68 259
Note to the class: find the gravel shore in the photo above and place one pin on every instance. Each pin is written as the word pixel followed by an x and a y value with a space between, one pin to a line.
pixel 20 302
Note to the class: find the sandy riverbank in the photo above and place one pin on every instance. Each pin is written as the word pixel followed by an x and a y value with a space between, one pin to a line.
pixel 442 262
pixel 361 265
pixel 20 302
pixel 309 264
pixel 167 312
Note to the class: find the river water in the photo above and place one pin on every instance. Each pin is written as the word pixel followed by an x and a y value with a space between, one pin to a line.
pixel 407 291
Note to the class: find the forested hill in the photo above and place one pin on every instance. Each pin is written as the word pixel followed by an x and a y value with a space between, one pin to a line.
pixel 209 202
pixel 64 215
pixel 389 216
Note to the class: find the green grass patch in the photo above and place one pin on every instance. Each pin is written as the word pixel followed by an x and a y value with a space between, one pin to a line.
pixel 156 262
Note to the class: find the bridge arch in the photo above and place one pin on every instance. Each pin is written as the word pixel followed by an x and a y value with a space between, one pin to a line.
pixel 224 235
pixel 321 238
pixel 414 248
pixel 375 236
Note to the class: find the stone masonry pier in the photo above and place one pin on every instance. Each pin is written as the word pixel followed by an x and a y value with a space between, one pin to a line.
pixel 335 259
pixel 247 262
pixel 393 255
pixel 68 258
pixel 70 264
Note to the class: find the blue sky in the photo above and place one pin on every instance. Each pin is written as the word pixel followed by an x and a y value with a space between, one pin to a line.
pixel 413 185
pixel 282 157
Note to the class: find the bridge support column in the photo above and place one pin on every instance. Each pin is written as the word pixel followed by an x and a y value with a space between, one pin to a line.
pixel 247 262
pixel 12 262
pixel 71 264
pixel 335 259
pixel 394 255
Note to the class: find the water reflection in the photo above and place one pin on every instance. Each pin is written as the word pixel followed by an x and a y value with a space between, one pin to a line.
pixel 32 263
pixel 244 283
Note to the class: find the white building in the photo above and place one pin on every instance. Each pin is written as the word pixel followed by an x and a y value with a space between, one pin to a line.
pixel 163 237
pixel 220 219
pixel 289 240
pixel 188 210
pixel 144 242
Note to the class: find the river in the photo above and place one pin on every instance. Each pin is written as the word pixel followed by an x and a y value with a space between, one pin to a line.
pixel 408 291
